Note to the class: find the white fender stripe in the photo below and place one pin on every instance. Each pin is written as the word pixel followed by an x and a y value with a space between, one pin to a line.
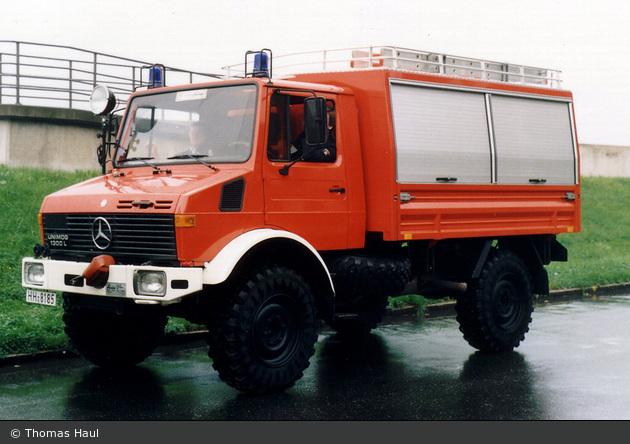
pixel 218 269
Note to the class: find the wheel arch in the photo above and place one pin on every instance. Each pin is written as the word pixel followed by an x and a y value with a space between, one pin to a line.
pixel 536 252
pixel 267 246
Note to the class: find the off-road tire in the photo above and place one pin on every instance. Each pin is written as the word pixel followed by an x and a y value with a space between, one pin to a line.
pixel 495 312
pixel 363 285
pixel 111 340
pixel 263 335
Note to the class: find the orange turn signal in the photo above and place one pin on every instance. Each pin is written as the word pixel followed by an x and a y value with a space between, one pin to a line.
pixel 185 220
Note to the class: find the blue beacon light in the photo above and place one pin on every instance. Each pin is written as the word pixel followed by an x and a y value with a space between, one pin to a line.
pixel 155 77
pixel 260 65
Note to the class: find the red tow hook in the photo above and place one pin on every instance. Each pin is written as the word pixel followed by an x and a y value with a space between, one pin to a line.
pixel 97 273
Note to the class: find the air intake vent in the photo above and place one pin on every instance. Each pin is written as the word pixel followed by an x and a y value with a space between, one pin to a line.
pixel 158 204
pixel 232 195
pixel 123 204
pixel 163 204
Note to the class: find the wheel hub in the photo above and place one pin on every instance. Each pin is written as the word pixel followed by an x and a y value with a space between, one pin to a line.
pixel 507 304
pixel 275 332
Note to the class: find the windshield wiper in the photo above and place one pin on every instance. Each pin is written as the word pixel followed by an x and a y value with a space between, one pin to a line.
pixel 196 157
pixel 144 160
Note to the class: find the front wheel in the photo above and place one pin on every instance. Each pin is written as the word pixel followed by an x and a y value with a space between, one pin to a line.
pixel 113 340
pixel 495 312
pixel 262 340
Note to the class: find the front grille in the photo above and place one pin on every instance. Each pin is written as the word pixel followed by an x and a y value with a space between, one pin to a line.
pixel 128 238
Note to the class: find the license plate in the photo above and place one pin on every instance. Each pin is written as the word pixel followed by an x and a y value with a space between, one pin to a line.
pixel 41 297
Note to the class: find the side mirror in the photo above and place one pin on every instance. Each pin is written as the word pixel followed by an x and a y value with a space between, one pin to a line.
pixel 102 100
pixel 315 123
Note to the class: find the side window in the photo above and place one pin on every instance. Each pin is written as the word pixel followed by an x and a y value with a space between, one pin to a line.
pixel 297 127
pixel 286 132
pixel 277 146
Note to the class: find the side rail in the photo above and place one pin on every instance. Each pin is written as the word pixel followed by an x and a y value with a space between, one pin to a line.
pixel 64 77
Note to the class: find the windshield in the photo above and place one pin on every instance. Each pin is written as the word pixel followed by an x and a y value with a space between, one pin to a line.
pixel 209 125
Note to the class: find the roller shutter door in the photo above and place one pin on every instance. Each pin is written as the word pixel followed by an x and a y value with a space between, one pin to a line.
pixel 534 141
pixel 440 134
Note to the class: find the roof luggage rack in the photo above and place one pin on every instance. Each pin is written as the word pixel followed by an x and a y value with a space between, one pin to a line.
pixel 393 57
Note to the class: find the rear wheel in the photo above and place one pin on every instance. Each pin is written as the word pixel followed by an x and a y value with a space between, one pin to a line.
pixel 363 319
pixel 495 312
pixel 363 285
pixel 113 340
pixel 264 335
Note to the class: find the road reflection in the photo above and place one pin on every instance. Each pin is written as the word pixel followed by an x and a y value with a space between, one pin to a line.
pixel 345 381
pixel 135 393
pixel 349 380
pixel 370 379
pixel 497 387
pixel 572 366
pixel 367 379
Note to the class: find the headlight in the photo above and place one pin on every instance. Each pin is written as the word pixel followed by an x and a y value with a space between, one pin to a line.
pixel 102 100
pixel 149 282
pixel 34 273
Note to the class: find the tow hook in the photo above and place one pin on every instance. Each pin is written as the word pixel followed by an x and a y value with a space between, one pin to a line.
pixel 97 273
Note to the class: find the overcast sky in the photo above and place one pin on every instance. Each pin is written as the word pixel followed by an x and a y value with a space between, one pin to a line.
pixel 588 40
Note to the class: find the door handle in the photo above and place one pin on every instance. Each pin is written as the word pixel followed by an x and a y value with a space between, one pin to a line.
pixel 337 190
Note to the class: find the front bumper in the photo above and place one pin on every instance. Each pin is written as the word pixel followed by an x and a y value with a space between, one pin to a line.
pixel 66 276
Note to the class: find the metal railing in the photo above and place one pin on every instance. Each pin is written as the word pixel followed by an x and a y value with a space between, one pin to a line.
pixel 62 76
pixel 392 57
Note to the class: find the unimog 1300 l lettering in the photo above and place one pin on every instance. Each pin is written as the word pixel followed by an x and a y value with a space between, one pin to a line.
pixel 261 206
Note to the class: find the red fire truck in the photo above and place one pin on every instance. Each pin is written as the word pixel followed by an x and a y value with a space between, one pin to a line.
pixel 263 204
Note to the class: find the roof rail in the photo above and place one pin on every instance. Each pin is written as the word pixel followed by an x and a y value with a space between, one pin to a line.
pixel 393 57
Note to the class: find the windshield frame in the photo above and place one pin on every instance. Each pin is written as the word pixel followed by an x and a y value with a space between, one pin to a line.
pixel 125 134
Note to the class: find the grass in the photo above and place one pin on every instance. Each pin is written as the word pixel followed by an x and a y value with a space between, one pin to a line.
pixel 412 300
pixel 25 328
pixel 599 255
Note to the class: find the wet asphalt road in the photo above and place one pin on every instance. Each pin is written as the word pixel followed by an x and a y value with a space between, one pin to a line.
pixel 573 364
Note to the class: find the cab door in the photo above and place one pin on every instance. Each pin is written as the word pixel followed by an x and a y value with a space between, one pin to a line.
pixel 311 199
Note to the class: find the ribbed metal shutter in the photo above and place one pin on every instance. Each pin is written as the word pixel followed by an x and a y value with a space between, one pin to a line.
pixel 440 134
pixel 534 141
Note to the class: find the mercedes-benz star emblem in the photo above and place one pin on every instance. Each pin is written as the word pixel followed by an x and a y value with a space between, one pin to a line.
pixel 101 233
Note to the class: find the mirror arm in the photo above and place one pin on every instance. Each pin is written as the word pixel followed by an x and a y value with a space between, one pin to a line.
pixel 284 171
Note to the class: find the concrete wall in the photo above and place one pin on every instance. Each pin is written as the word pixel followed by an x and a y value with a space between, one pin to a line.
pixel 604 160
pixel 52 138
pixel 64 139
